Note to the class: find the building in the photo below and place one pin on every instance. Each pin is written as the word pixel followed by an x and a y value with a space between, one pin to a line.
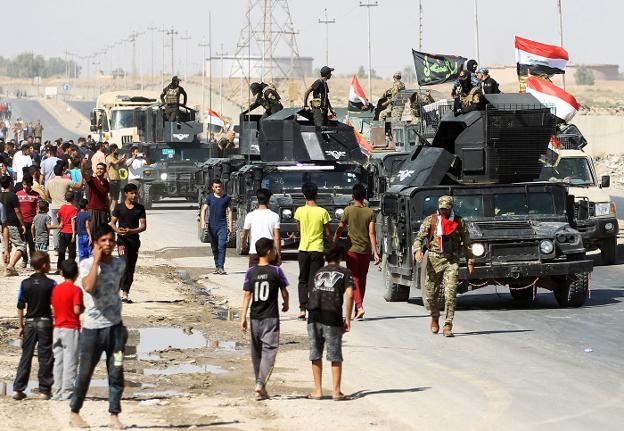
pixel 240 67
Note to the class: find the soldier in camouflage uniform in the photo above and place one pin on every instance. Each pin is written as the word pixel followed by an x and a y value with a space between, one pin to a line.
pixel 417 101
pixel 170 97
pixel 394 91
pixel 267 97
pixel 446 235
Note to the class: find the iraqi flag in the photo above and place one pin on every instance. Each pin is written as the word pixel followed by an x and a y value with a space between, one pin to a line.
pixel 365 147
pixel 357 98
pixel 539 58
pixel 213 118
pixel 549 94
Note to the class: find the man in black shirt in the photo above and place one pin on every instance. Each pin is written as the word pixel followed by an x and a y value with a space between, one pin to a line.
pixel 262 285
pixel 331 285
pixel 128 221
pixel 488 84
pixel 170 97
pixel 321 106
pixel 15 224
pixel 35 329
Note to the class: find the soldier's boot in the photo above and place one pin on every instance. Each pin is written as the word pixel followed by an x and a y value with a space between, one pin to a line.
pixel 448 330
pixel 435 326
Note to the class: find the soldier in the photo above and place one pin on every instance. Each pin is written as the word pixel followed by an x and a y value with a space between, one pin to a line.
pixel 267 97
pixel 170 97
pixel 417 101
pixel 470 97
pixel 446 233
pixel 397 86
pixel 321 106
pixel 225 145
pixel 488 84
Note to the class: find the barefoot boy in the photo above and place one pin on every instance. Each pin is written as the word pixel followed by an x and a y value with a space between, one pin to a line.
pixel 262 285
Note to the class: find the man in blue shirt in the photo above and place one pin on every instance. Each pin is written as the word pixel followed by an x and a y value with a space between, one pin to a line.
pixel 219 223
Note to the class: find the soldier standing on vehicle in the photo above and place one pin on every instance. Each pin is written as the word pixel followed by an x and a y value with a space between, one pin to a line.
pixel 417 101
pixel 470 97
pixel 488 84
pixel 267 97
pixel 170 97
pixel 321 106
pixel 446 233
pixel 397 86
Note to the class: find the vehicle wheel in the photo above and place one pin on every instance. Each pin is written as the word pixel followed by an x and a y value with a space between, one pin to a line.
pixel 573 292
pixel 608 251
pixel 521 294
pixel 147 196
pixel 394 292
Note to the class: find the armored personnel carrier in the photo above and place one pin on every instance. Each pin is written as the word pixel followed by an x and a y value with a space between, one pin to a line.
pixel 521 229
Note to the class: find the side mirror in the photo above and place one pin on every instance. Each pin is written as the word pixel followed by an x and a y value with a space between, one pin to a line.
pixel 605 181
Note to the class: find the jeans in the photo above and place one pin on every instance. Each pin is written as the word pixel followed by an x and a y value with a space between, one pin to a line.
pixel 358 264
pixel 65 350
pixel 131 253
pixel 309 263
pixel 30 243
pixel 93 342
pixel 218 243
pixel 37 331
pixel 65 244
pixel 84 247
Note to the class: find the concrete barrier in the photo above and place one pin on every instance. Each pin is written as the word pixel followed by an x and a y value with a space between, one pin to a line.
pixel 604 133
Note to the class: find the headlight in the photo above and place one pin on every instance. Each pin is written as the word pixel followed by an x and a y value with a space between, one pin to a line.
pixel 286 214
pixel 338 213
pixel 546 246
pixel 478 249
pixel 147 172
pixel 609 226
pixel 603 208
pixel 163 176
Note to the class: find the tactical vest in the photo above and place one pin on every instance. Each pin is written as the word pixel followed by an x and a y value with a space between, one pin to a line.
pixel 471 98
pixel 172 96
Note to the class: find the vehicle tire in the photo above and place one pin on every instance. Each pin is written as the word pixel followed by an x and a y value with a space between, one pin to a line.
pixel 147 196
pixel 608 251
pixel 521 294
pixel 393 292
pixel 573 292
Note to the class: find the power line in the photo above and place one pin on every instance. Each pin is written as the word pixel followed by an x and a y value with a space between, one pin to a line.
pixel 326 21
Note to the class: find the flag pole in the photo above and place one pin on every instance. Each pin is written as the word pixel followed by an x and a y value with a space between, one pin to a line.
pixel 419 100
pixel 561 35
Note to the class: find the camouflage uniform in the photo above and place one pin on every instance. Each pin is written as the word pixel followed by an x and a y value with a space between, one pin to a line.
pixel 472 98
pixel 417 102
pixel 443 267
pixel 394 91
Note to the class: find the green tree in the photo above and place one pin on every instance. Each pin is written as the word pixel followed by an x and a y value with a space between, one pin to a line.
pixel 583 75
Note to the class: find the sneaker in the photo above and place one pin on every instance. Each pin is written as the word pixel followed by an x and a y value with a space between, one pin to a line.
pixel 19 395
pixel 44 396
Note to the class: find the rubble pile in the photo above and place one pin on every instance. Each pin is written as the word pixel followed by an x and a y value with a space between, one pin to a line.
pixel 613 165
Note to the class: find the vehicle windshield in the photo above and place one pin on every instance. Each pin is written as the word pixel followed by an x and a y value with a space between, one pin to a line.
pixel 466 206
pixel 122 119
pixel 573 170
pixel 173 154
pixel 513 204
pixel 281 181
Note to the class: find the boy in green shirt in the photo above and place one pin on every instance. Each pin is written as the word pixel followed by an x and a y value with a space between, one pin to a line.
pixel 313 230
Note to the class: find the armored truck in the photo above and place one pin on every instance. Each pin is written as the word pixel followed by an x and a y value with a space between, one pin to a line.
pixel 520 229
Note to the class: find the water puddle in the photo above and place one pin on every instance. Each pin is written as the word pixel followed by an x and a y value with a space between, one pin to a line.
pixel 184 369
pixel 33 386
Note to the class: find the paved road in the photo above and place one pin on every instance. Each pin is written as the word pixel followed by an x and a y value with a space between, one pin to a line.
pixel 31 110
pixel 511 366
pixel 84 107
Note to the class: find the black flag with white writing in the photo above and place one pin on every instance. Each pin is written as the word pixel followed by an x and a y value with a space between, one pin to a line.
pixel 434 69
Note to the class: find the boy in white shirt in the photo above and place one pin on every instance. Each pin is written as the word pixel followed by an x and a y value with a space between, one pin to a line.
pixel 261 223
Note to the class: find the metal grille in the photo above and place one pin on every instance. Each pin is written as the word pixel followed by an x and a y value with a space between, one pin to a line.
pixel 584 209
pixel 126 139
pixel 506 252
pixel 504 225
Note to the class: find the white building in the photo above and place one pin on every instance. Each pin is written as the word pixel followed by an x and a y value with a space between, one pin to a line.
pixel 279 68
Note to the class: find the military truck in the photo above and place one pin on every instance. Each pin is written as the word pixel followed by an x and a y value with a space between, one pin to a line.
pixel 521 230
pixel 114 115
pixel 595 212
pixel 280 153
pixel 174 152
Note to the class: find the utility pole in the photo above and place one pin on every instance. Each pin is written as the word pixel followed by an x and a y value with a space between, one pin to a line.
pixel 203 46
pixel 210 70
pixel 368 5
pixel 476 14
pixel 152 29
pixel 420 25
pixel 326 21
pixel 162 70
pixel 186 38
pixel 132 39
pixel 172 33
pixel 561 34
pixel 220 54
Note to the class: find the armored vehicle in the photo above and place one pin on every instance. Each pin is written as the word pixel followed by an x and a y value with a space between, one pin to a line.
pixel 174 152
pixel 520 229
pixel 595 212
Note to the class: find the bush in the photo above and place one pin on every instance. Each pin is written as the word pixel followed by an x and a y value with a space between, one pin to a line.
pixel 583 75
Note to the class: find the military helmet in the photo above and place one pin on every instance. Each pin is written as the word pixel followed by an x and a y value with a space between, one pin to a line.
pixel 255 88
pixel 175 79
pixel 445 202
pixel 397 75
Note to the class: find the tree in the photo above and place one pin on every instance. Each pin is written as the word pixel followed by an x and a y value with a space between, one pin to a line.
pixel 583 75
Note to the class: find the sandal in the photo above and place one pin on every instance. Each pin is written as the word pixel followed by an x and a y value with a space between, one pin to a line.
pixel 359 315
pixel 313 397
pixel 342 397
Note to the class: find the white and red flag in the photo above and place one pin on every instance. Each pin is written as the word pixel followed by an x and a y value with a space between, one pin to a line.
pixel 549 94
pixel 213 117
pixel 357 97
pixel 539 58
